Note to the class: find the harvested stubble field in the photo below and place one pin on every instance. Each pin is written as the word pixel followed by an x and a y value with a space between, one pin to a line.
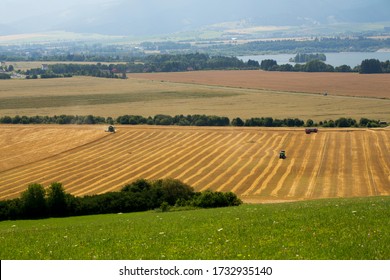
pixel 243 94
pixel 332 163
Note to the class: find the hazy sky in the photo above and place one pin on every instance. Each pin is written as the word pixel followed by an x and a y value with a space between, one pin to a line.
pixel 147 16
pixel 14 10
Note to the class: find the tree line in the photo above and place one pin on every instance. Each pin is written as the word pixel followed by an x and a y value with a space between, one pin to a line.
pixel 38 202
pixel 190 120
pixel 368 66
pixel 151 63
pixel 61 70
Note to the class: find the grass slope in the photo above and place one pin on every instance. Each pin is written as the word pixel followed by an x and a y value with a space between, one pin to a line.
pixel 324 229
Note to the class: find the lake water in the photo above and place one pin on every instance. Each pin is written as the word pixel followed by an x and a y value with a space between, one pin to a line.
pixel 335 59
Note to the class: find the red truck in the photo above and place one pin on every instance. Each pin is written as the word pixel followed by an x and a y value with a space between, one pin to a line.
pixel 310 130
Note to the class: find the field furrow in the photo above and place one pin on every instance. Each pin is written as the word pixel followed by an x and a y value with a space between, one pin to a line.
pixel 151 162
pixel 278 182
pixel 304 165
pixel 191 155
pixel 368 169
pixel 345 172
pixel 382 152
pixel 263 170
pixel 329 169
pixel 319 161
pixel 121 170
pixel 233 169
pixel 274 171
pixel 232 166
pixel 72 162
pixel 65 167
pixel 210 165
pixel 256 159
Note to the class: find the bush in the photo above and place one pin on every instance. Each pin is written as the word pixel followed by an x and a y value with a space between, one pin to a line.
pixel 209 199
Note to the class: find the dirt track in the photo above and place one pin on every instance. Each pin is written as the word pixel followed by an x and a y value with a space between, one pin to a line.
pixel 332 163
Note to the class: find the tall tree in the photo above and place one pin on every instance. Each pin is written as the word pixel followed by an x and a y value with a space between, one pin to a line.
pixel 34 202
pixel 56 200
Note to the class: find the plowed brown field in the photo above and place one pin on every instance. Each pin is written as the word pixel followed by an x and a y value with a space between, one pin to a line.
pixel 332 163
pixel 347 84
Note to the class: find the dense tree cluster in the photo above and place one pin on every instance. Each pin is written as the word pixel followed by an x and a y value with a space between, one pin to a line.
pixel 374 66
pixel 187 62
pixel 306 57
pixel 37 202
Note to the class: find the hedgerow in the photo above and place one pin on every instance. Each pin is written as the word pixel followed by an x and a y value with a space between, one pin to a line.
pixel 141 195
pixel 190 120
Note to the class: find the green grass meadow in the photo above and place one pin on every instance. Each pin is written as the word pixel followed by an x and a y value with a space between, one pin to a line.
pixel 335 229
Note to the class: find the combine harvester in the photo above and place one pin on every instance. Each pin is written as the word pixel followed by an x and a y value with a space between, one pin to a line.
pixel 111 129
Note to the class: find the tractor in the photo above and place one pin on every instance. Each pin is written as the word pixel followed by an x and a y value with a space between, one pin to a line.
pixel 282 154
